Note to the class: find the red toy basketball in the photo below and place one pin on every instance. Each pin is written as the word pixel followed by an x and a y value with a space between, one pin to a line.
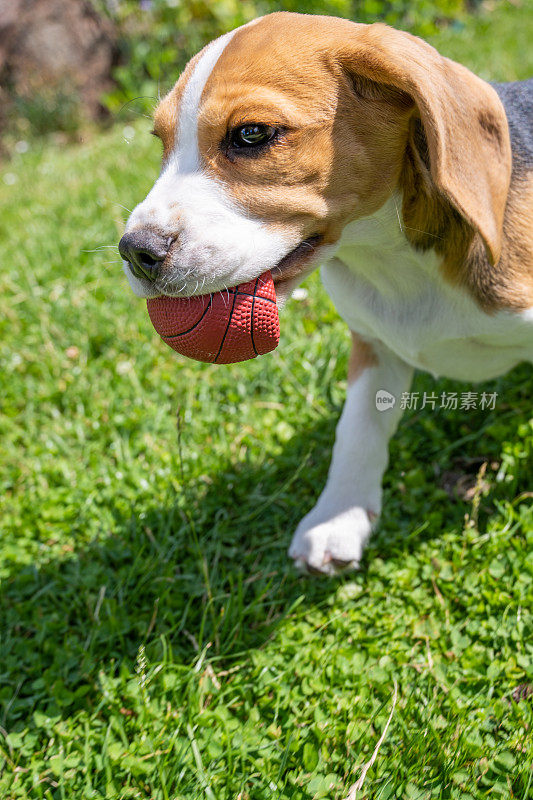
pixel 228 326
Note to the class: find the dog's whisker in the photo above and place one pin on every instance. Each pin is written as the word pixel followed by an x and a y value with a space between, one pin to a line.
pixel 129 210
pixel 133 100
pixel 101 247
pixel 396 208
pixel 426 233
pixel 403 227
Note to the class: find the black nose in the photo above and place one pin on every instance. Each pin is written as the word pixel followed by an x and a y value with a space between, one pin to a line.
pixel 143 249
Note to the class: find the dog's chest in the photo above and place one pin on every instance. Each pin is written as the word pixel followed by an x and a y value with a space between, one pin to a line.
pixel 387 291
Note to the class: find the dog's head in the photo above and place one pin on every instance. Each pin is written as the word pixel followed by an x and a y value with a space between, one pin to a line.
pixel 280 133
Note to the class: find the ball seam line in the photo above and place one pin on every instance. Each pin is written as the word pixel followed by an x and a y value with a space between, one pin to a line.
pixel 252 318
pixel 267 299
pixel 176 335
pixel 227 328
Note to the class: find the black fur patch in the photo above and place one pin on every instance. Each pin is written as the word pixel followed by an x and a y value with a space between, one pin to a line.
pixel 517 100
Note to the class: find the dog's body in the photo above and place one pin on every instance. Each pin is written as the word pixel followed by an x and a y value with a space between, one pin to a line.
pixel 403 174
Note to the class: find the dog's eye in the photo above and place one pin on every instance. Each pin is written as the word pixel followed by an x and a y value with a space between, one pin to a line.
pixel 251 135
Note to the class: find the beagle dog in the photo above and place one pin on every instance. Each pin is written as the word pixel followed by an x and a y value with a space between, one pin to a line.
pixel 297 141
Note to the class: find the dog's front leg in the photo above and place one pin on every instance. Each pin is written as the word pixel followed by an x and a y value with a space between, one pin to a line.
pixel 333 534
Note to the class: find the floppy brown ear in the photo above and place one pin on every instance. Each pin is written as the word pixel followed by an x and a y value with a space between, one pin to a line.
pixel 463 119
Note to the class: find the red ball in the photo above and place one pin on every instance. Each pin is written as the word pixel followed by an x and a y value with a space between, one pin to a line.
pixel 233 325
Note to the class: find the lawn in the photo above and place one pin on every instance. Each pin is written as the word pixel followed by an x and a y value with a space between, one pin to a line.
pixel 155 641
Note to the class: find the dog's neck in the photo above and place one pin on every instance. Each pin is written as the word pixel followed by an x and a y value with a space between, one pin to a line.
pixel 377 249
pixel 421 227
pixel 398 256
pixel 392 294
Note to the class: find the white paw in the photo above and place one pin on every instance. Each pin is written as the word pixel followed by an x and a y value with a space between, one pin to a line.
pixel 332 545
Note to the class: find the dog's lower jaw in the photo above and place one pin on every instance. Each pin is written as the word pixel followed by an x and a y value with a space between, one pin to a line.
pixel 285 288
pixel 286 284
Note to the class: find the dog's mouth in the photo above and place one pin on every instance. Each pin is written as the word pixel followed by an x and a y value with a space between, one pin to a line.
pixel 292 264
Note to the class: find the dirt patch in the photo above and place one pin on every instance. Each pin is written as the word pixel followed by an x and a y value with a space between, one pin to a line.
pixel 53 52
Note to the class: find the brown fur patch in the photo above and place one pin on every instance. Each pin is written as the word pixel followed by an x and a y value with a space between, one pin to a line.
pixel 165 122
pixel 492 127
pixel 514 275
pixel 472 171
pixel 430 221
pixel 362 356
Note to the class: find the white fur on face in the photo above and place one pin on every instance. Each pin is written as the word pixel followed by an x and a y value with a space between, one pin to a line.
pixel 215 244
pixel 186 156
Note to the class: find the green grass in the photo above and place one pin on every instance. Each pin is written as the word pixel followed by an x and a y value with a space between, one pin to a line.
pixel 155 641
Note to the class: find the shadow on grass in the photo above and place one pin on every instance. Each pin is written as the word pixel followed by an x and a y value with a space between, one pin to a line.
pixel 209 568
